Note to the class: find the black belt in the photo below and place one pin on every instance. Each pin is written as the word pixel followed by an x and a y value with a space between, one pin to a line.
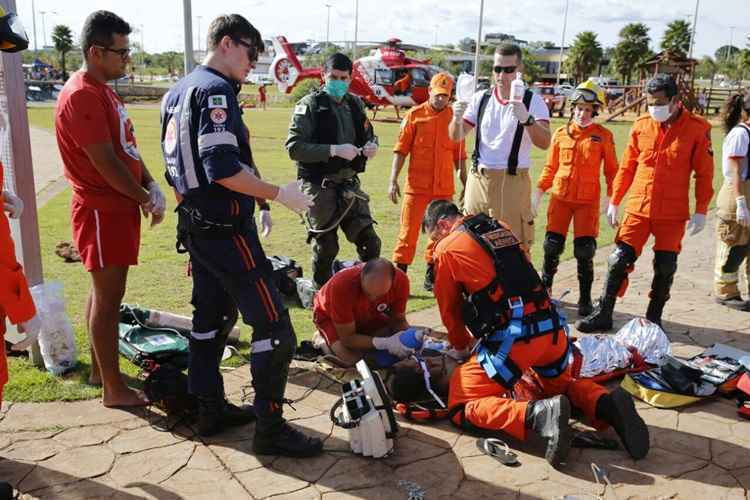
pixel 190 220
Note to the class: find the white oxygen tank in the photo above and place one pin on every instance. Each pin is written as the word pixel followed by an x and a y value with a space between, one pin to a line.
pixel 517 88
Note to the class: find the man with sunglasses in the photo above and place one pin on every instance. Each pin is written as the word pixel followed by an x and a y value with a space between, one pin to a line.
pixel 210 167
pixel 499 184
pixel 110 184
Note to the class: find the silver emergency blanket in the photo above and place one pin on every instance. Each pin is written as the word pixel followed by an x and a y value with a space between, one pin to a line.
pixel 604 354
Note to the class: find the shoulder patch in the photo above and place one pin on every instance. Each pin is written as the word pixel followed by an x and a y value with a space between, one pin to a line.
pixel 217 101
pixel 300 109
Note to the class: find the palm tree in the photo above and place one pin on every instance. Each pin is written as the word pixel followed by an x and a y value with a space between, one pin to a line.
pixel 676 39
pixel 63 40
pixel 584 56
pixel 632 49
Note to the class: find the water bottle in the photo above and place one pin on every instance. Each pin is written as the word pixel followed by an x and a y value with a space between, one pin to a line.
pixel 517 88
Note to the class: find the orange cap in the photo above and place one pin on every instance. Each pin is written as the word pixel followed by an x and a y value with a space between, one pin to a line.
pixel 442 83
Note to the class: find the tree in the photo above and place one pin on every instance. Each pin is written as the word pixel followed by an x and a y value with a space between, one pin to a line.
pixel 631 49
pixel 676 39
pixel 584 56
pixel 467 44
pixel 62 38
pixel 532 72
pixel 706 68
pixel 724 52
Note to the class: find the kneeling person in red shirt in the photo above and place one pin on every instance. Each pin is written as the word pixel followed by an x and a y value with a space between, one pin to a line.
pixel 362 309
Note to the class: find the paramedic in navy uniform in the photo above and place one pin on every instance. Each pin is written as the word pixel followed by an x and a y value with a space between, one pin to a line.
pixel 207 154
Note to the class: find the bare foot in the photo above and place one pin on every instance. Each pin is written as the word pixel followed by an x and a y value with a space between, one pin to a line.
pixel 123 397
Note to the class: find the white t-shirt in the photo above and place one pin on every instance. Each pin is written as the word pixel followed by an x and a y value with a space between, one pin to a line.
pixel 736 144
pixel 499 127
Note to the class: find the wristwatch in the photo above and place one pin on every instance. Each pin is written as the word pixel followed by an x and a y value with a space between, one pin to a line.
pixel 531 121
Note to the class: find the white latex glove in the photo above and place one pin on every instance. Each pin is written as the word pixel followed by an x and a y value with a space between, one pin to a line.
pixel 697 224
pixel 520 111
pixel 31 328
pixel 345 151
pixel 459 108
pixel 157 203
pixel 612 215
pixel 370 150
pixel 536 199
pixel 266 223
pixel 743 214
pixel 604 204
pixel 459 355
pixel 12 204
pixel 292 197
pixel 393 345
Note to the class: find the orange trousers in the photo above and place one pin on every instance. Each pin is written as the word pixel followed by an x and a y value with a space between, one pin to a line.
pixel 585 217
pixel 635 231
pixel 488 405
pixel 412 213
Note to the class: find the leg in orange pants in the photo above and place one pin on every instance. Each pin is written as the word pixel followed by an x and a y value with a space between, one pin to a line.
pixel 635 230
pixel 412 212
pixel 488 405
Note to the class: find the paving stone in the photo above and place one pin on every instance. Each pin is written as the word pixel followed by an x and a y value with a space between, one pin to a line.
pixel 307 469
pixel 265 482
pixel 96 489
pixel 87 436
pixel 34 450
pixel 151 466
pixel 488 470
pixel 731 453
pixel 656 417
pixel 309 493
pixel 480 490
pixel 437 476
pixel 143 438
pixel 698 426
pixel 13 471
pixel 438 433
pixel 681 442
pixel 203 484
pixel 376 493
pixel 70 466
pixel 548 489
pixel 408 450
pixel 36 416
pixel 238 456
pixel 204 459
pixel 354 472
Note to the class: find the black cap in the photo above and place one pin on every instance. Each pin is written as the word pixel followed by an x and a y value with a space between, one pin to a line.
pixel 662 81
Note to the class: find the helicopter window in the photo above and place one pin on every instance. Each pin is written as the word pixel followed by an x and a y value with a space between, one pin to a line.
pixel 420 77
pixel 383 77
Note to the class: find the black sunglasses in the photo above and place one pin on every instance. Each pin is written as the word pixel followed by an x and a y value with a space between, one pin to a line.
pixel 123 53
pixel 252 50
pixel 504 69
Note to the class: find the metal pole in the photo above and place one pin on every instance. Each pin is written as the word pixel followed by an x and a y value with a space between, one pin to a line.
pixel 478 49
pixel 731 40
pixel 187 22
pixel 562 42
pixel 33 23
pixel 356 28
pixel 328 25
pixel 199 31
pixel 44 30
pixel 143 50
pixel 692 33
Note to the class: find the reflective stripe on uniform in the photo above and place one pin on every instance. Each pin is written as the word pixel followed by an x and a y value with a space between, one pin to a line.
pixel 186 149
pixel 206 141
pixel 204 336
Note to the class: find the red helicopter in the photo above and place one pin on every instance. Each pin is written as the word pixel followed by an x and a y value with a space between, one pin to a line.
pixel 386 77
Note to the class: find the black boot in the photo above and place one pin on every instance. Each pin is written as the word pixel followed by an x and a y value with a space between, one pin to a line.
pixel 234 416
pixel 6 491
pixel 549 418
pixel 274 436
pixel 209 416
pixel 403 267
pixel 554 244
pixel 600 319
pixel 584 249
pixel 429 277
pixel 665 266
pixel 618 410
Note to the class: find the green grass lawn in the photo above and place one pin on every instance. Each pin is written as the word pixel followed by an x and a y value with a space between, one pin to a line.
pixel 161 282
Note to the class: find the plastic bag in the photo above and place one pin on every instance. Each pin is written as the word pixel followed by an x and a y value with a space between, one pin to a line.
pixel 57 341
pixel 602 355
pixel 650 340
pixel 465 87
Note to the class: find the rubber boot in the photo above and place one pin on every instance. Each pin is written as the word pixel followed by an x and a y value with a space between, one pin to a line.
pixel 549 419
pixel 585 280
pixel 554 245
pixel 6 491
pixel 429 277
pixel 665 266
pixel 274 436
pixel 209 416
pixel 618 410
pixel 601 318
pixel 233 415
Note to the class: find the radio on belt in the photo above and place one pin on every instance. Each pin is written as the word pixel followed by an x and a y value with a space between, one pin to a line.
pixel 366 411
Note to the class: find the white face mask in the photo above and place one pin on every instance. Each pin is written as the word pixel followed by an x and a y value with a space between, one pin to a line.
pixel 660 113
pixel 582 122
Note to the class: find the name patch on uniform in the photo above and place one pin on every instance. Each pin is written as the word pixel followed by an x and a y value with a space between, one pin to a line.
pixel 170 136
pixel 217 101
pixel 300 109
pixel 501 238
pixel 596 138
pixel 218 116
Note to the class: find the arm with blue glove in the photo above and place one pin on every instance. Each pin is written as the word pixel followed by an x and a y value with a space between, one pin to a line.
pixel 402 344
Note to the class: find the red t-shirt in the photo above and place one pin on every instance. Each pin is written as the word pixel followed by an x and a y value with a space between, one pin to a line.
pixel 89 112
pixel 342 301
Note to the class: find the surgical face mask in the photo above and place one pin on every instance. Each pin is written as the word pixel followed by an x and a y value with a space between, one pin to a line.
pixel 660 113
pixel 336 88
pixel 580 118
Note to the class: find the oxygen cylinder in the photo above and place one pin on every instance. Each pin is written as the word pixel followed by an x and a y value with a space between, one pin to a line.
pixel 517 88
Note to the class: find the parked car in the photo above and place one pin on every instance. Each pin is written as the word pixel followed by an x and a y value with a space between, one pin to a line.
pixel 554 100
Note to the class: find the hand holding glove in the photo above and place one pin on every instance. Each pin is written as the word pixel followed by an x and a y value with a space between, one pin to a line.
pixel 345 151
pixel 292 197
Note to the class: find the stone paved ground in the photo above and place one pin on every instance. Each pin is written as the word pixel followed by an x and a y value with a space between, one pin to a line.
pixel 81 450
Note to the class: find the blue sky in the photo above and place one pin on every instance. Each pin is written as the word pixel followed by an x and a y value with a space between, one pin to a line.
pixel 414 21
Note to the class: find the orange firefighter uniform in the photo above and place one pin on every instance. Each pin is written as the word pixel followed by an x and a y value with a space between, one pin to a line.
pixel 572 172
pixel 430 174
pixel 658 164
pixel 463 266
pixel 15 300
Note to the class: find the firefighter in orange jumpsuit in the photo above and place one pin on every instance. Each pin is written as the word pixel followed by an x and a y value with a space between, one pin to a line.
pixel 487 288
pixel 573 171
pixel 16 303
pixel 433 159
pixel 666 147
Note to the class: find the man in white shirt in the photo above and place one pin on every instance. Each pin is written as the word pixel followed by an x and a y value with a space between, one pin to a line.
pixel 500 185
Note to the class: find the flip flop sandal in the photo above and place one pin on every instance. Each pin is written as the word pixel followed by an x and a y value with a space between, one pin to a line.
pixel 588 439
pixel 499 450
